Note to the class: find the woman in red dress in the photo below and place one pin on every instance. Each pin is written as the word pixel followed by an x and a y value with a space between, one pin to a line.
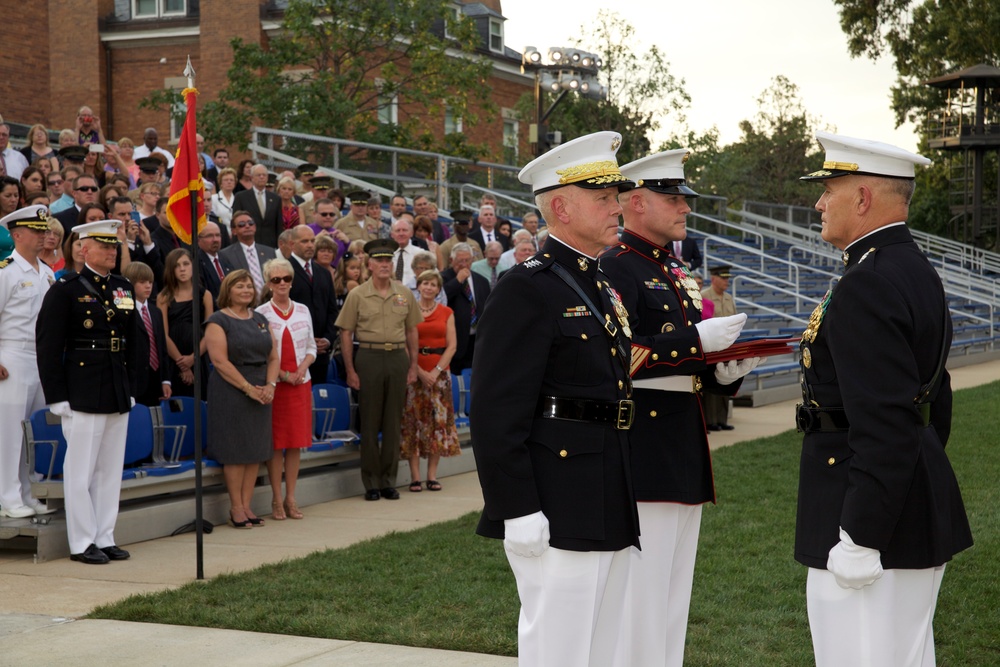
pixel 289 209
pixel 429 417
pixel 292 412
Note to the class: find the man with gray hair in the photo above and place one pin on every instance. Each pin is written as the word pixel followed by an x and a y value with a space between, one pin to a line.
pixel 507 259
pixel 263 205
pixel 467 293
pixel 486 231
pixel 487 267
pixel 402 258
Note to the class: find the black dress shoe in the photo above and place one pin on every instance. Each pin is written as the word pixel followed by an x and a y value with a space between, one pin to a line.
pixel 116 553
pixel 91 556
pixel 390 493
pixel 371 494
pixel 713 427
pixel 726 427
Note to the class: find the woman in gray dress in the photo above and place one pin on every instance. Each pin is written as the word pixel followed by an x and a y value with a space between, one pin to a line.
pixel 240 392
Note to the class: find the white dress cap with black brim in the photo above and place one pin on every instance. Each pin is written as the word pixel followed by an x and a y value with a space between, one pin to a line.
pixel 847 156
pixel 586 162
pixel 661 172
pixel 34 217
pixel 105 231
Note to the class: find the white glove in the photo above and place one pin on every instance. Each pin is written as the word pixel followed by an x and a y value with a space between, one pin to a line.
pixel 132 404
pixel 854 566
pixel 526 536
pixel 728 372
pixel 61 409
pixel 718 333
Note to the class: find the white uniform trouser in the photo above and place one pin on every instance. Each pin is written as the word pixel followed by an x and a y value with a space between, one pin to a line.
pixel 20 395
pixel 92 477
pixel 571 606
pixel 887 624
pixel 659 592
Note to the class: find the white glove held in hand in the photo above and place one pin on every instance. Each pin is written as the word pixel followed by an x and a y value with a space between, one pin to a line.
pixel 718 333
pixel 728 372
pixel 61 409
pixel 526 536
pixel 854 566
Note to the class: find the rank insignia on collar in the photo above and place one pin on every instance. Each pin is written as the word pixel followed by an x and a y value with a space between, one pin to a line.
pixel 846 258
pixel 864 256
pixel 582 263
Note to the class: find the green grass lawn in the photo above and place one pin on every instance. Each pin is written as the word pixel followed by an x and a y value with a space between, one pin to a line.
pixel 443 587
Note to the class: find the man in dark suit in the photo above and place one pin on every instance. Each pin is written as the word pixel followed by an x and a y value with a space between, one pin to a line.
pixel 313 287
pixel 879 510
pixel 263 206
pixel 212 267
pixel 551 411
pixel 84 192
pixel 467 292
pixel 152 376
pixel 671 464
pixel 486 231
pixel 687 251
pixel 87 368
pixel 246 253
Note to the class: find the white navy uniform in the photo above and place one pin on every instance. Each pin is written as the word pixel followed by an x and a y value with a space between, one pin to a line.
pixel 22 288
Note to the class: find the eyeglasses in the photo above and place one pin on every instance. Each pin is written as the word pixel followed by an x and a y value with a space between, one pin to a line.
pixel 325 215
pixel 277 280
pixel 241 225
pixel 56 182
pixel 88 188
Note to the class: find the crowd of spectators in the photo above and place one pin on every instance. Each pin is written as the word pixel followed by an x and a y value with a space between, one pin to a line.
pixel 280 252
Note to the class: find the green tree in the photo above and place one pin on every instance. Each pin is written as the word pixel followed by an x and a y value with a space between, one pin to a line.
pixel 925 39
pixel 641 90
pixel 336 65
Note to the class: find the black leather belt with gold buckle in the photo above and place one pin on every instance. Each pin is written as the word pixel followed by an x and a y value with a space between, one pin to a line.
pixel 431 350
pixel 619 413
pixel 99 344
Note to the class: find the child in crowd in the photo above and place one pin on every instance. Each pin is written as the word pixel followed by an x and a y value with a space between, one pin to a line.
pixel 153 376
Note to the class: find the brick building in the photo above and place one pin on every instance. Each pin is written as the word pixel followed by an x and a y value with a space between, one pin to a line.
pixel 109 54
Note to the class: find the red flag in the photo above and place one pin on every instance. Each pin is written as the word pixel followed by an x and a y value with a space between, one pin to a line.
pixel 186 181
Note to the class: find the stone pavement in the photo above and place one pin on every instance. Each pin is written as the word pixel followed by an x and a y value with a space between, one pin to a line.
pixel 40 602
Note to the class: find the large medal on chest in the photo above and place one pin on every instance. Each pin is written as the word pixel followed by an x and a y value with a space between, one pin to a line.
pixel 688 284
pixel 809 335
pixel 620 312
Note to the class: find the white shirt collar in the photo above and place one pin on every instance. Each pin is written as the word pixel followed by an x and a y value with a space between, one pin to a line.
pixel 553 236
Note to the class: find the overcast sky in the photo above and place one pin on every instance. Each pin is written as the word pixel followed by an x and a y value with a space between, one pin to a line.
pixel 728 51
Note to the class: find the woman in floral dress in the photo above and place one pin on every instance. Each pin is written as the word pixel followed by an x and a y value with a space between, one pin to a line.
pixel 429 417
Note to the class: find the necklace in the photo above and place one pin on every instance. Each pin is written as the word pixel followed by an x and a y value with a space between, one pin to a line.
pixel 282 310
pixel 231 312
pixel 428 311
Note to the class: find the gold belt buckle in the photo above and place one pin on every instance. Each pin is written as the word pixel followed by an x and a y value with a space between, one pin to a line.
pixel 626 411
pixel 389 347
pixel 116 344
pixel 695 383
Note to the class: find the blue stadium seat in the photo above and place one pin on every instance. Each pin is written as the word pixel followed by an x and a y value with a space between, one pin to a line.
pixel 332 410
pixel 46 443
pixel 179 412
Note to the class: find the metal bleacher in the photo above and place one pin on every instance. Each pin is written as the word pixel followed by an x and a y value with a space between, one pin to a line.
pixel 782 268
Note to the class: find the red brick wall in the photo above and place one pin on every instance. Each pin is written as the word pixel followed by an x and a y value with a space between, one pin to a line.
pixel 24 66
pixel 76 59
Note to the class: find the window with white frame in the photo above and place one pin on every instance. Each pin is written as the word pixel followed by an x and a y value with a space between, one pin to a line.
pixel 453 13
pixel 388 108
pixel 150 9
pixel 510 140
pixel 452 122
pixel 496 35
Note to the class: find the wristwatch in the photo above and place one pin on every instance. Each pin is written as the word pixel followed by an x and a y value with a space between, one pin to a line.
pixel 439 369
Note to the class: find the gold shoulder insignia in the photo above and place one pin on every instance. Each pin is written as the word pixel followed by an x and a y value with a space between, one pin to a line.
pixel 5 262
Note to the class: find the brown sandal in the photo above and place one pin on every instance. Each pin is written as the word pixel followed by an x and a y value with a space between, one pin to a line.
pixel 293 511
